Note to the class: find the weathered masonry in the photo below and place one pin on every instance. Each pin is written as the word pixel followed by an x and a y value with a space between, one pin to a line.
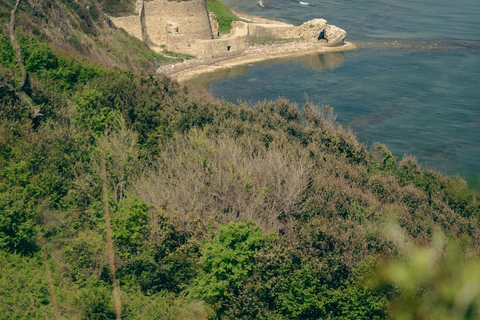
pixel 187 26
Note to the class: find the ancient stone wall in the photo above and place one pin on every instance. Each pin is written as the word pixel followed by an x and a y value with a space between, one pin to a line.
pixel 190 16
pixel 267 32
pixel 130 24
pixel 185 26
pixel 234 44
pixel 214 24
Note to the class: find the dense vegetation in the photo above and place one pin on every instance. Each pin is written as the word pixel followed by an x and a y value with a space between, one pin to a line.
pixel 215 210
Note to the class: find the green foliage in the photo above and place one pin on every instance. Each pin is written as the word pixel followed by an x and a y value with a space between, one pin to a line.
pixel 37 57
pixel 181 168
pixel 387 161
pixel 167 262
pixel 286 286
pixel 85 255
pixel 321 129
pixel 7 54
pixel 92 116
pixel 224 16
pixel 435 282
pixel 129 224
pixel 23 288
pixel 18 200
pixel 460 198
pixel 301 296
pixel 227 261
pixel 408 171
pixel 159 306
pixel 353 302
pixel 94 301
pixel 71 72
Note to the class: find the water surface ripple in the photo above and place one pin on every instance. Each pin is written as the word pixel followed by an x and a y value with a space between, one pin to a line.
pixel 413 85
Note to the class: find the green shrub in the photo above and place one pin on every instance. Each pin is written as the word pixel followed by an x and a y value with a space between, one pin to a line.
pixel 94 301
pixel 7 54
pixel 23 288
pixel 129 225
pixel 439 281
pixel 227 261
pixel 388 162
pixel 18 207
pixel 37 57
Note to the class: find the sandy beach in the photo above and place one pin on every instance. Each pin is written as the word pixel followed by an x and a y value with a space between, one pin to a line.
pixel 189 69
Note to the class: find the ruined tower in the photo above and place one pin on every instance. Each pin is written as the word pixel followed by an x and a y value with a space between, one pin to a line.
pixel 188 17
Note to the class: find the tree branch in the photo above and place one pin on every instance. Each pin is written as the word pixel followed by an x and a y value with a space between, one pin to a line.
pixel 18 51
pixel 19 90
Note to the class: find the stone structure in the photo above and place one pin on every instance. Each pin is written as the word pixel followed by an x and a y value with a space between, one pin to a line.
pixel 187 27
pixel 316 30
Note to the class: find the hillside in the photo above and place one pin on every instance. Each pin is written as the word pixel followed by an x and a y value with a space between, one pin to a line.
pixel 126 195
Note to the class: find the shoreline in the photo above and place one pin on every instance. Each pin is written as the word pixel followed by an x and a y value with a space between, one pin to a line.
pixel 189 69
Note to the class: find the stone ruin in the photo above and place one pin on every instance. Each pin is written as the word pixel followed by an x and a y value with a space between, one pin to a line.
pixel 186 26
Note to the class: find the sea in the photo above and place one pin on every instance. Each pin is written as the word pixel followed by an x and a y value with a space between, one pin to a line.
pixel 413 84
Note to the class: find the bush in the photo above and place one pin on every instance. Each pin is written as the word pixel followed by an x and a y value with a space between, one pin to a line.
pixel 23 288
pixel 227 261
pixel 438 281
pixel 94 301
pixel 129 225
pixel 7 54
pixel 18 207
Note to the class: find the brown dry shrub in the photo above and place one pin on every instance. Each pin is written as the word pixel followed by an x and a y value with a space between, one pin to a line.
pixel 385 187
pixel 354 174
pixel 337 197
pixel 226 179
pixel 324 131
pixel 413 197
pixel 408 170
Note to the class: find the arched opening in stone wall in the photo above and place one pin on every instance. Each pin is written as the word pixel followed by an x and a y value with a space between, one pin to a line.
pixel 321 36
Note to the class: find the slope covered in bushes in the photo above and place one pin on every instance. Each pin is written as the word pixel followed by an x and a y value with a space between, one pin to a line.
pixel 216 210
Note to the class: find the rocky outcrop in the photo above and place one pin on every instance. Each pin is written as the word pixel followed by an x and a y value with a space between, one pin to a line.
pixel 316 30
pixel 319 30
pixel 312 30
pixel 335 36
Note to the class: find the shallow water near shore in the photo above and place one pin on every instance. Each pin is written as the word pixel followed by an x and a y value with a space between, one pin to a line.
pixel 414 84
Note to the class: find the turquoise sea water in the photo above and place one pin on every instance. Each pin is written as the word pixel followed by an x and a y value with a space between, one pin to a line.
pixel 414 84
